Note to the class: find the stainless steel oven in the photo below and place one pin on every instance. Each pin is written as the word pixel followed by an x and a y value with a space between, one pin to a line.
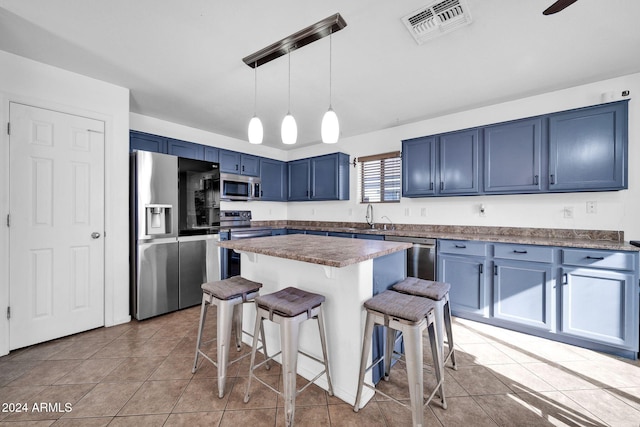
pixel 239 225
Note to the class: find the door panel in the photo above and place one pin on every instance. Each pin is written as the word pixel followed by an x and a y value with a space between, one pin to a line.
pixel 56 278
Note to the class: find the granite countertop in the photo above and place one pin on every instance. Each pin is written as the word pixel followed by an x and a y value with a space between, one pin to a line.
pixel 323 250
pixel 587 239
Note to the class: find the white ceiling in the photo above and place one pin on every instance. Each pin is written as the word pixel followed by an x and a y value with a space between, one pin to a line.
pixel 182 60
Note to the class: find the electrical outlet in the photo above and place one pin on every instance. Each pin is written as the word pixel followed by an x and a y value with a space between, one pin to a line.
pixel 568 211
pixel 423 211
pixel 592 207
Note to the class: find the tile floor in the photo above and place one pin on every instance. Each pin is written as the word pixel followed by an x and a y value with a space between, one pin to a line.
pixel 139 374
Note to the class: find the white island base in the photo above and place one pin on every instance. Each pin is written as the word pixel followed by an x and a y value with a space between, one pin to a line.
pixel 345 290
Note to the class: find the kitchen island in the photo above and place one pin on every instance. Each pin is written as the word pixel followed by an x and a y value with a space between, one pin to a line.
pixel 346 271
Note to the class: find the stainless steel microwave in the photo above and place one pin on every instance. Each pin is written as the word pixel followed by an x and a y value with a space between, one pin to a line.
pixel 239 187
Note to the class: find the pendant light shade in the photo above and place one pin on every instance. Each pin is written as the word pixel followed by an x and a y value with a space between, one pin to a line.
pixel 255 131
pixel 330 129
pixel 289 130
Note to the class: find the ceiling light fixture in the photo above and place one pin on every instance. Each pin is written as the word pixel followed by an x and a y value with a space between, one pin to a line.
pixel 255 130
pixel 320 29
pixel 330 129
pixel 289 128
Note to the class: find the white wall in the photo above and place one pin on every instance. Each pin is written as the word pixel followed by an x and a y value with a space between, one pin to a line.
pixel 37 84
pixel 617 210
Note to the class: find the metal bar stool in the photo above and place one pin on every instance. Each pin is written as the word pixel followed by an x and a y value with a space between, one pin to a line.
pixel 289 307
pixel 439 293
pixel 410 315
pixel 227 295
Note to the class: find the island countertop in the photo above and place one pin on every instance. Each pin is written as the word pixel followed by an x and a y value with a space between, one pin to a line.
pixel 322 250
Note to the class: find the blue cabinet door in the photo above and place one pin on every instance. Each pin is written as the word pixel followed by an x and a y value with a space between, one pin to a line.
pixel 211 154
pixel 229 161
pixel 523 293
pixel 324 178
pixel 418 167
pixel 185 149
pixel 458 155
pixel 469 293
pixel 600 305
pixel 273 175
pixel 512 157
pixel 147 142
pixel 588 148
pixel 249 165
pixel 298 179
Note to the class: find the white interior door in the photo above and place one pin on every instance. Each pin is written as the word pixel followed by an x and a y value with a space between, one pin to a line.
pixel 56 277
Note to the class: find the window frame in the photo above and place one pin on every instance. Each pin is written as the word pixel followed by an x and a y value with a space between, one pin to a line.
pixel 391 174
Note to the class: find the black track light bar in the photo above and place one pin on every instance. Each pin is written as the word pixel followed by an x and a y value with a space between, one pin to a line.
pixel 295 41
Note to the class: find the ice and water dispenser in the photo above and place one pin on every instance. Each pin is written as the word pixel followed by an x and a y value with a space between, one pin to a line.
pixel 158 219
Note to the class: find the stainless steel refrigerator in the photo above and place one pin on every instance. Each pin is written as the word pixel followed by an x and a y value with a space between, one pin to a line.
pixel 162 278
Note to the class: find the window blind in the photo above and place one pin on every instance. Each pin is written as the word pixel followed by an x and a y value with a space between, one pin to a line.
pixel 380 178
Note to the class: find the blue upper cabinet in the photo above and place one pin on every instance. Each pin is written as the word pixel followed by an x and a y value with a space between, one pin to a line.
pixel 458 160
pixel 147 142
pixel 319 178
pixel 330 177
pixel 239 163
pixel 189 150
pixel 418 167
pixel 512 157
pixel 273 176
pixel 211 154
pixel 578 150
pixel 588 148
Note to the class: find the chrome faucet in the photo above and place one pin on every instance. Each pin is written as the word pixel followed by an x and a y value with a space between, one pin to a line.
pixel 369 216
pixel 391 226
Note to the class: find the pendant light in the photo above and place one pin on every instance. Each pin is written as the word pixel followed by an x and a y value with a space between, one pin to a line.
pixel 255 125
pixel 289 129
pixel 330 129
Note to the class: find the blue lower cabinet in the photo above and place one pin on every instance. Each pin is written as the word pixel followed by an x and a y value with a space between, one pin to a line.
pixel 369 236
pixel 278 231
pixel 523 293
pixel 339 234
pixel 294 231
pixel 316 233
pixel 600 306
pixel 466 274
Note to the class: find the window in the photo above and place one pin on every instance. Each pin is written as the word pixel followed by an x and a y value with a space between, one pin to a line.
pixel 380 178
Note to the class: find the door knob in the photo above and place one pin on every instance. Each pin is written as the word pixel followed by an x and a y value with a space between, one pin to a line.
pixel 95 235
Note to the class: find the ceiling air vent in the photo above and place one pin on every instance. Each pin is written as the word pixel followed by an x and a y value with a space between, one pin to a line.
pixel 437 18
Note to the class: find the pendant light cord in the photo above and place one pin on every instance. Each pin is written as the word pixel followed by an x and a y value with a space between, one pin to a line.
pixel 289 101
pixel 330 57
pixel 255 92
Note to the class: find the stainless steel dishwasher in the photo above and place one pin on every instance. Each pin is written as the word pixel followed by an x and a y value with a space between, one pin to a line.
pixel 421 258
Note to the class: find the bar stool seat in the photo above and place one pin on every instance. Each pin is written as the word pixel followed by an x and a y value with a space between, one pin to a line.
pixel 228 296
pixel 289 307
pixel 438 292
pixel 410 315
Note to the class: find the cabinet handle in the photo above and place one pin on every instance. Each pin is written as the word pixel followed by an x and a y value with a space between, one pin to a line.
pixel 260 193
pixel 236 167
pixel 565 279
pixel 495 270
pixel 461 246
pixel 441 185
pixel 552 179
pixel 599 258
pixel 481 268
pixel 242 168
pixel 519 252
pixel 431 186
pixel 535 180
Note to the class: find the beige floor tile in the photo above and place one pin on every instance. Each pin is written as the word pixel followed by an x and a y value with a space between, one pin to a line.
pixel 396 415
pixel 174 368
pixel 485 354
pixel 41 351
pixel 202 395
pixel 46 372
pixel 479 380
pixel 83 422
pixel 155 397
pixel 260 397
pixel 134 369
pixel 11 369
pixel 519 378
pixel 263 417
pixel 369 416
pixel 156 420
pixel 463 411
pixel 606 373
pixel 606 406
pixel 90 371
pixel 194 419
pixel 306 416
pixel 560 377
pixel 510 410
pixel 629 395
pixel 105 399
pixel 559 410
pixel 79 350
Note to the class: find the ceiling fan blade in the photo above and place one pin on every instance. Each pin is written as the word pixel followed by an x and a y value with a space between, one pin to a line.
pixel 558 6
